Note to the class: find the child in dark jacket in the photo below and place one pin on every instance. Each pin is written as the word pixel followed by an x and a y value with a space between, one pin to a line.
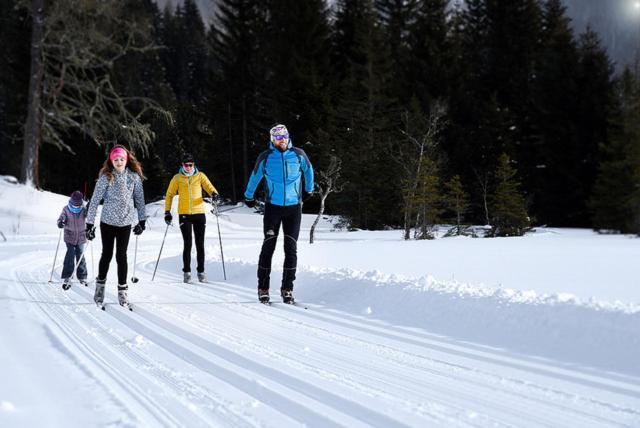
pixel 73 220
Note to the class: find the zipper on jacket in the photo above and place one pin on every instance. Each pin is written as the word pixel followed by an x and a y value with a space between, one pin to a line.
pixel 284 180
pixel 189 188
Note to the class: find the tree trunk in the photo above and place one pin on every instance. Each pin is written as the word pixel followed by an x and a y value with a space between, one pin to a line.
pixel 315 222
pixel 33 126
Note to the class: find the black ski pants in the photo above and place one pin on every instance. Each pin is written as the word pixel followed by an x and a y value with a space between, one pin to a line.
pixel 193 225
pixel 120 237
pixel 274 216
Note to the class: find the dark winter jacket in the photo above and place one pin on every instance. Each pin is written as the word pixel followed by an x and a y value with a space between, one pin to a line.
pixel 282 173
pixel 74 226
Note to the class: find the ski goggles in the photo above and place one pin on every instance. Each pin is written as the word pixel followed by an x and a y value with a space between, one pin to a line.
pixel 281 137
pixel 188 164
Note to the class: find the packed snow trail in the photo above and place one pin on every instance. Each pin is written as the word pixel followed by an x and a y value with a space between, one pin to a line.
pixel 211 355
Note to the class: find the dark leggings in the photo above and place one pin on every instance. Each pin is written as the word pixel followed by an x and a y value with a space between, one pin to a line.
pixel 289 217
pixel 119 236
pixel 197 223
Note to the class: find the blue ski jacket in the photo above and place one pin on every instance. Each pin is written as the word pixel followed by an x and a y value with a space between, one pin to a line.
pixel 282 173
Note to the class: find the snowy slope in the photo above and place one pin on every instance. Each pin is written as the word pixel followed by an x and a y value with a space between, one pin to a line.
pixel 385 335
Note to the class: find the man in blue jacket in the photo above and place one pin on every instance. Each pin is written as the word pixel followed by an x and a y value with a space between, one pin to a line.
pixel 282 166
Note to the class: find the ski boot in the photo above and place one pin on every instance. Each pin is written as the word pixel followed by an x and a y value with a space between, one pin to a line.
pixel 187 278
pixel 98 296
pixel 66 284
pixel 287 296
pixel 263 295
pixel 202 277
pixel 122 295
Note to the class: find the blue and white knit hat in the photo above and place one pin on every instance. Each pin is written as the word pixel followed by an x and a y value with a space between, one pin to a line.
pixel 278 130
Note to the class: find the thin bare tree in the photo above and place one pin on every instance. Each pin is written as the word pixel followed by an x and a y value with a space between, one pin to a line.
pixel 328 181
pixel 76 46
pixel 421 134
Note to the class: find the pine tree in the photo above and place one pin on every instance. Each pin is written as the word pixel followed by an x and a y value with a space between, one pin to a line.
pixel 508 205
pixel 616 199
pixel 428 68
pixel 427 200
pixel 364 117
pixel 555 93
pixel 237 42
pixel 456 200
pixel 298 34
pixel 396 18
pixel 593 109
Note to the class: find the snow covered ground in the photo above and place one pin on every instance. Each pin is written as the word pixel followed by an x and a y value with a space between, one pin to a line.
pixel 542 330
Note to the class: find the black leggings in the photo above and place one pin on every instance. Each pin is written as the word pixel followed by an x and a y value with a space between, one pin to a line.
pixel 198 223
pixel 119 236
pixel 289 217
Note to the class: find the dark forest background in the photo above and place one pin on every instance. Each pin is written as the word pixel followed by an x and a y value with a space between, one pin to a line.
pixel 498 84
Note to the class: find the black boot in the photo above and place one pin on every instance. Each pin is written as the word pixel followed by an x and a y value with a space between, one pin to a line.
pixel 263 295
pixel 287 295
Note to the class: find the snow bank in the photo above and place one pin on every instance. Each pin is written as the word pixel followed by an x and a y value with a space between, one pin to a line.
pixel 559 327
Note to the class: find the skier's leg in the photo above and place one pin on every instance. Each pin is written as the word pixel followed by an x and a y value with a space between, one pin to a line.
pixel 271 227
pixel 185 228
pixel 199 226
pixel 67 267
pixel 291 231
pixel 108 236
pixel 122 242
pixel 81 271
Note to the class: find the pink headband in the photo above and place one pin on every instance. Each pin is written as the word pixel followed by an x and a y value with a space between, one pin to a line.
pixel 118 152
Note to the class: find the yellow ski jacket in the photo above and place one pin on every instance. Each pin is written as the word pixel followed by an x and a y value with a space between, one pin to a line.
pixel 189 191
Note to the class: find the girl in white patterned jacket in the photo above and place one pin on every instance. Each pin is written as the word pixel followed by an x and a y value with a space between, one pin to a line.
pixel 119 186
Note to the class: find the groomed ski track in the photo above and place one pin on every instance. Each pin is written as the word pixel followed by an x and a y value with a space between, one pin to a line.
pixel 210 355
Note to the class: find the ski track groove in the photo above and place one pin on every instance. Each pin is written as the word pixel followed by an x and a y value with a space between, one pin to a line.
pixel 67 323
pixel 457 380
pixel 511 391
pixel 338 404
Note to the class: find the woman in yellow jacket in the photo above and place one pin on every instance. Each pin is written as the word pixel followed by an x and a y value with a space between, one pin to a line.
pixel 188 185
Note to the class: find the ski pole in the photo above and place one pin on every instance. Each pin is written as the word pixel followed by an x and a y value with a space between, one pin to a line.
pixel 56 256
pixel 215 211
pixel 135 256
pixel 93 264
pixel 161 246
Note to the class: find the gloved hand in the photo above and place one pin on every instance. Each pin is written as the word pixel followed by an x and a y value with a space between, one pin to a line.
pixel 250 202
pixel 306 195
pixel 138 228
pixel 168 217
pixel 61 224
pixel 90 232
pixel 216 199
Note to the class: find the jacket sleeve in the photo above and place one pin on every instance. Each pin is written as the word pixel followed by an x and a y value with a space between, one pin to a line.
pixel 63 217
pixel 207 186
pixel 98 194
pixel 307 169
pixel 138 199
pixel 256 176
pixel 171 192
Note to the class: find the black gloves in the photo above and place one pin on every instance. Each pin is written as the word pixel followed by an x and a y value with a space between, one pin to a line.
pixel 216 199
pixel 168 217
pixel 61 224
pixel 250 202
pixel 90 232
pixel 306 195
pixel 137 230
